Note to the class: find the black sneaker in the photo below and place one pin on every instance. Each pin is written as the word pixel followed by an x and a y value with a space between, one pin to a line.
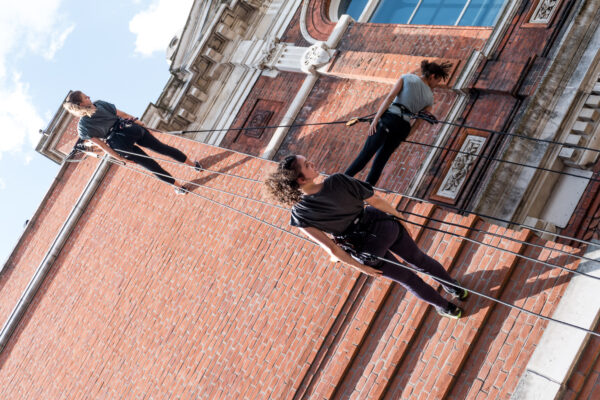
pixel 452 311
pixel 457 293
pixel 197 166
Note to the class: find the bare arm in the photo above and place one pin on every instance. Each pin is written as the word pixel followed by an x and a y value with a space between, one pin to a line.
pixel 100 143
pixel 124 115
pixel 336 253
pixel 383 205
pixel 385 104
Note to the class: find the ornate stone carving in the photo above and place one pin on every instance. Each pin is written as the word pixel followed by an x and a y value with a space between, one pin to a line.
pixel 544 12
pixel 270 53
pixel 460 167
pixel 315 57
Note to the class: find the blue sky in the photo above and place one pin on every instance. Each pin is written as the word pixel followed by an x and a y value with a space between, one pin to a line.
pixel 113 50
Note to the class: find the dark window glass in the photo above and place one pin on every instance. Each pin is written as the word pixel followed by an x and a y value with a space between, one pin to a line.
pixel 438 12
pixel 352 7
pixel 393 11
pixel 481 13
pixel 427 12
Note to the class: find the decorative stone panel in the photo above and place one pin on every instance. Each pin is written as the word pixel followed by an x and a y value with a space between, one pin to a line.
pixel 461 167
pixel 544 12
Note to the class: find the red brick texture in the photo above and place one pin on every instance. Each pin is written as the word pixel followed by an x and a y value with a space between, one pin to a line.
pixel 157 295
pixel 318 24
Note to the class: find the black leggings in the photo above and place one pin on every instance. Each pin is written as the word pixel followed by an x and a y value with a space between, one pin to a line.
pixel 389 236
pixel 391 131
pixel 127 138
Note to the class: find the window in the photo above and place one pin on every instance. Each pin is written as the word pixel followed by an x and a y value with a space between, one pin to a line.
pixel 421 12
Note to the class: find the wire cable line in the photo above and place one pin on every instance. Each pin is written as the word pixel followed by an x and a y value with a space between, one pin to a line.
pixel 477 293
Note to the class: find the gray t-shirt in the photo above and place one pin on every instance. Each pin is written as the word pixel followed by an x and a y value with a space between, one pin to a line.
pixel 415 95
pixel 334 207
pixel 100 123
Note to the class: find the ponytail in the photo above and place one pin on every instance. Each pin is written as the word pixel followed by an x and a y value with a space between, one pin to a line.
pixel 441 71
pixel 73 105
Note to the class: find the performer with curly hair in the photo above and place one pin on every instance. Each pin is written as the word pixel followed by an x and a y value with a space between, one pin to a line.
pixel 119 134
pixel 336 207
pixel 390 127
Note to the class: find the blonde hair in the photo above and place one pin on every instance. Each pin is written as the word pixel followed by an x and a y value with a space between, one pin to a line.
pixel 73 105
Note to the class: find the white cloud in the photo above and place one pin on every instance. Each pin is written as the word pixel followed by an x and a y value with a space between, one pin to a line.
pixel 19 119
pixel 155 26
pixel 35 26
pixel 26 27
pixel 57 41
pixel 2 184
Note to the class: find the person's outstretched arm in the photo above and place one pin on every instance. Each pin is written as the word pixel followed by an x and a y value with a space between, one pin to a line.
pixel 383 205
pixel 124 115
pixel 108 149
pixel 336 253
pixel 385 104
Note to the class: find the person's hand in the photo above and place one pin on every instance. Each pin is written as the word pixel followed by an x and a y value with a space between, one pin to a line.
pixel 428 117
pixel 365 269
pixel 120 159
pixel 373 127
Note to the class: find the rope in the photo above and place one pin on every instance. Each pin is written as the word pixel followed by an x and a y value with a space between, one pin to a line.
pixel 440 204
pixel 493 299
pixel 404 211
pixel 408 212
pixel 545 263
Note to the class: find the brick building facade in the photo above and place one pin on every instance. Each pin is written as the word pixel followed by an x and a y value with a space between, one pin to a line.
pixel 118 289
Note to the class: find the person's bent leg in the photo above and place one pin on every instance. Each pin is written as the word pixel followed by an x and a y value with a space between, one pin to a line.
pixel 406 248
pixel 151 142
pixel 412 282
pixel 390 143
pixel 140 157
pixel 370 147
pixel 385 232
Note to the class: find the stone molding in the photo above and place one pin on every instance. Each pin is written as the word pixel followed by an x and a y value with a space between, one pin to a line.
pixel 47 146
pixel 316 56
pixel 560 347
pixel 551 112
pixel 585 130
pixel 239 41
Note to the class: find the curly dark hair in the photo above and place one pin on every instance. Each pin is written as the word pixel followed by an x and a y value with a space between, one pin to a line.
pixel 438 70
pixel 282 185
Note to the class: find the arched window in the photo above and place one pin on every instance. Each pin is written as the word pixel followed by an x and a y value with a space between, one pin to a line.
pixel 420 12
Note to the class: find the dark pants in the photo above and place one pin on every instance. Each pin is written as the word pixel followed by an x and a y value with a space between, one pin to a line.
pixel 127 138
pixel 391 131
pixel 389 236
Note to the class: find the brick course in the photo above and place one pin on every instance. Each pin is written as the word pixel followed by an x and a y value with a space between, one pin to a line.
pixel 160 295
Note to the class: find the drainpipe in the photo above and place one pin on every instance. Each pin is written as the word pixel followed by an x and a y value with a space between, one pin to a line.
pixel 41 272
pixel 306 88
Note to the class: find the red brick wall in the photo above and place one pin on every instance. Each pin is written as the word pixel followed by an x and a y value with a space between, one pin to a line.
pixel 161 295
pixel 268 94
pixel 68 137
pixel 39 235
pixel 585 380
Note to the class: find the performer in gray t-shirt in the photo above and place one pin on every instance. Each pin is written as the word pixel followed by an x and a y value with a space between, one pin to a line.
pixel 121 135
pixel 336 207
pixel 389 127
